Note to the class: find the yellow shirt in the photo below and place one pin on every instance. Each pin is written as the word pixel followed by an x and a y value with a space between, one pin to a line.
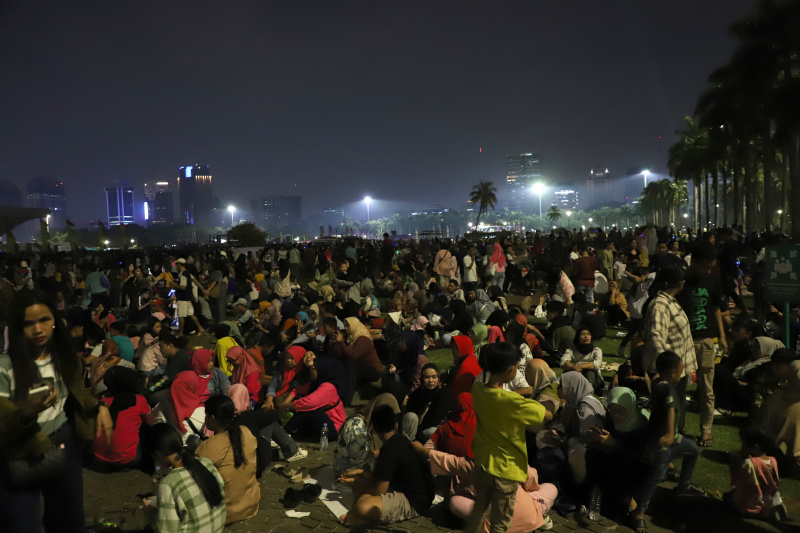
pixel 499 443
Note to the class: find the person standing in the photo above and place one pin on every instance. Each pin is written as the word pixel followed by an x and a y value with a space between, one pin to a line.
pixel 666 329
pixel 583 269
pixel 701 300
pixel 183 293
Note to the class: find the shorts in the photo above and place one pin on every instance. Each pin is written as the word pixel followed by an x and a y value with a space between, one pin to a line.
pixel 185 308
pixel 396 508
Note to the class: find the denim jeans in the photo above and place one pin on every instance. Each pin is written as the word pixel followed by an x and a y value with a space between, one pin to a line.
pixel 658 468
pixel 586 291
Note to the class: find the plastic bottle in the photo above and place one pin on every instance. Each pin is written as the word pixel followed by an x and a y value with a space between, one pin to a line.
pixel 323 438
pixel 594 505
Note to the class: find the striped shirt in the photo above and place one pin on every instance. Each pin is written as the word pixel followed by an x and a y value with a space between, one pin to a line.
pixel 182 506
pixel 51 418
pixel 666 328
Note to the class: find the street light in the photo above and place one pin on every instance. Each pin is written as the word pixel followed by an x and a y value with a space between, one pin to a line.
pixel 367 199
pixel 590 220
pixel 569 215
pixel 538 188
pixel 231 209
pixel 106 241
pixel 645 173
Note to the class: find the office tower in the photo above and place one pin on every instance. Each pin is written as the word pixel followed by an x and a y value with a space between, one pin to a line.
pixel 49 192
pixel 119 205
pixel 598 189
pixel 277 211
pixel 566 198
pixel 523 169
pixel 158 203
pixel 194 191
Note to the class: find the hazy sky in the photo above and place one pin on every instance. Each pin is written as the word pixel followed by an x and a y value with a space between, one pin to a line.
pixel 335 100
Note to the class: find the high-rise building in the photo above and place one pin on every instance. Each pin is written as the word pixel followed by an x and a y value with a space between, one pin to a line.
pixel 566 198
pixel 119 205
pixel 158 203
pixel 194 190
pixel 49 192
pixel 523 169
pixel 277 211
pixel 598 189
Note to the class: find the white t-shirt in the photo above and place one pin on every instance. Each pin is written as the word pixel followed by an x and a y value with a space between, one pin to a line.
pixel 519 381
pixel 51 418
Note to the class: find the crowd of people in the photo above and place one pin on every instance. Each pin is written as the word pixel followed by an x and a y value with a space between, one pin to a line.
pixel 104 365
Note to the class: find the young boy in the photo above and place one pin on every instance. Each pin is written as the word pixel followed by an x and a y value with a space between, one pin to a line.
pixel 667 443
pixel 501 457
pixel 120 336
pixel 400 488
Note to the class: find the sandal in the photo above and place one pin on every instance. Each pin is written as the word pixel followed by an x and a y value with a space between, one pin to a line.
pixel 638 525
pixel 673 475
pixel 690 490
pixel 705 443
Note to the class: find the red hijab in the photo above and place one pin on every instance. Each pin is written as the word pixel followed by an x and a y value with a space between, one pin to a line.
pixel 495 334
pixel 498 256
pixel 188 392
pixel 455 436
pixel 469 368
pixel 200 360
pixel 297 352
pixel 244 364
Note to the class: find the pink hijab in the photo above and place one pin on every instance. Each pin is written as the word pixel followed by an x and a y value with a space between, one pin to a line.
pixel 241 398
pixel 498 256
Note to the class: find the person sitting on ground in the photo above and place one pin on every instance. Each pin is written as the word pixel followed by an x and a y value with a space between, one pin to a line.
pixel 455 436
pixel 225 341
pixel 150 361
pixel 617 306
pixel 177 361
pixel 202 363
pixel 356 352
pixel 668 444
pixel 427 407
pixel 586 358
pixel 779 417
pixel 128 411
pixel 559 335
pixel 501 457
pixel 118 331
pixel 754 476
pixel 232 451
pixel 244 316
pixel 191 497
pixel 400 486
pixel 245 372
pixel 465 365
pixel 108 358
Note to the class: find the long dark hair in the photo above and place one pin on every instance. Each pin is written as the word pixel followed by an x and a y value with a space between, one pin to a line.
pixel 151 322
pixel 61 349
pixel 223 409
pixel 166 440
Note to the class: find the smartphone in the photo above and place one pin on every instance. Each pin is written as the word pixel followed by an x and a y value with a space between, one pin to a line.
pixel 39 389
pixel 172 293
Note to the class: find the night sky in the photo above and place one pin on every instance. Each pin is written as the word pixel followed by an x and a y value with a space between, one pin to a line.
pixel 335 100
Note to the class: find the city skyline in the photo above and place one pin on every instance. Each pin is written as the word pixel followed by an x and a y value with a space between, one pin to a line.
pixel 333 103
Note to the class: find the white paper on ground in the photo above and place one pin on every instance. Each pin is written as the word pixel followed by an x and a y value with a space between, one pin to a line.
pixel 291 513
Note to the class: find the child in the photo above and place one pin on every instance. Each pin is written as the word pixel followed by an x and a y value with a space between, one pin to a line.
pixel 756 485
pixel 119 334
pixel 666 443
pixel 501 457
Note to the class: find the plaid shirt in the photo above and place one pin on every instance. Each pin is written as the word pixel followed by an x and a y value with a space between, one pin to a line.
pixel 666 328
pixel 182 506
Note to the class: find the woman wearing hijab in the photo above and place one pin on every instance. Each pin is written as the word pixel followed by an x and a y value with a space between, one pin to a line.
pixel 584 357
pixel 466 367
pixel 495 334
pixel 530 338
pixel 357 354
pixel 128 411
pixel 581 414
pixel 187 397
pixel 408 361
pixel 202 364
pixel 245 372
pixel 265 426
pixel 285 381
pixel 497 265
pixel 319 401
pixel 544 383
pixel 108 358
pixel 455 436
pixel 428 406
pixel 617 465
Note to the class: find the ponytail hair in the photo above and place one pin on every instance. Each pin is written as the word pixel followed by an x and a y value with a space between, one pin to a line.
pixel 223 410
pixel 166 440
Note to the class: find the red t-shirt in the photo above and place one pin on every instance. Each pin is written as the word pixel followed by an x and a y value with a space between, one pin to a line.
pixel 126 434
pixel 583 270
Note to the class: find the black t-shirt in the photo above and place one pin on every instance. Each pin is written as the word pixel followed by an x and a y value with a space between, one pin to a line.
pixel 405 471
pixel 184 295
pixel 663 398
pixel 700 299
pixel 177 364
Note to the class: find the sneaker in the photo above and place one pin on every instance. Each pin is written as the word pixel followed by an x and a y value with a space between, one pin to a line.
pixel 301 454
pixel 548 524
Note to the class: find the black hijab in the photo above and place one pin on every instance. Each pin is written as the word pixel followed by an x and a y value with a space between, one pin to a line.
pixel 583 349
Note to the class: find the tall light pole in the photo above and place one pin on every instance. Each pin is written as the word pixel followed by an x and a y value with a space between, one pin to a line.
pixel 367 200
pixel 538 188
pixel 645 173
pixel 569 216
pixel 231 209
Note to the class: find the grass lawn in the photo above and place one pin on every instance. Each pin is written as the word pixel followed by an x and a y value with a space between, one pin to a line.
pixel 712 469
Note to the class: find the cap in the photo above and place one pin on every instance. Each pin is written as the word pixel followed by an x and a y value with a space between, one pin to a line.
pixel 241 301
pixel 181 260
pixel 224 254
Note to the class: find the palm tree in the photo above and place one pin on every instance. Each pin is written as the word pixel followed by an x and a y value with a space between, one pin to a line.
pixel 485 194
pixel 553 214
